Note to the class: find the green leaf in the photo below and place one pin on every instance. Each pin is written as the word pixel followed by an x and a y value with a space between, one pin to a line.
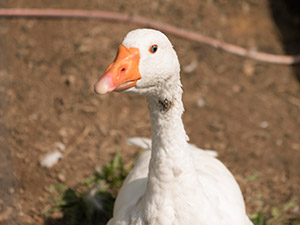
pixel 252 177
pixel 289 205
pixel 275 212
pixel 258 218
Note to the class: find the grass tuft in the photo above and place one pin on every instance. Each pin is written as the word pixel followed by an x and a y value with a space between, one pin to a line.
pixel 258 219
pixel 91 202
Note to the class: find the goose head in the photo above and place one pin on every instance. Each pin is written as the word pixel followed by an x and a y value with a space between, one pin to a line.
pixel 145 62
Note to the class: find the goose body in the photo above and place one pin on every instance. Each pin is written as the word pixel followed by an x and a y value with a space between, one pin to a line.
pixel 174 182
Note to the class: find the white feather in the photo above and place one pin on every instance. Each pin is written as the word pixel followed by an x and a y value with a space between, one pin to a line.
pixel 144 143
pixel 51 158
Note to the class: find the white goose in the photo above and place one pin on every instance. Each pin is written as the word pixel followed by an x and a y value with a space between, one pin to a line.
pixel 173 184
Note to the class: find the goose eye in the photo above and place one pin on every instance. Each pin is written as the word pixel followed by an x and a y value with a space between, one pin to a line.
pixel 153 48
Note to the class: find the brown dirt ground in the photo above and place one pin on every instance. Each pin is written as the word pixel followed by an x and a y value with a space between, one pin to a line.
pixel 48 68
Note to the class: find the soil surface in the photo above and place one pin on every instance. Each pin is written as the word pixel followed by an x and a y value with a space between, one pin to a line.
pixel 248 111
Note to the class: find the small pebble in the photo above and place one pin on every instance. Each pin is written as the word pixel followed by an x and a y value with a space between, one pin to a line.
pixel 236 88
pixel 279 142
pixel 63 132
pixel 61 177
pixel 86 45
pixel 295 146
pixel 34 116
pixel 70 80
pixel 11 190
pixel 295 210
pixel 60 146
pixel 201 103
pixel 21 191
pixel 245 8
pixel 249 68
pixel 264 124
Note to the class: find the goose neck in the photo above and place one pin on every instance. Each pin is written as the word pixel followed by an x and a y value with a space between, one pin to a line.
pixel 166 123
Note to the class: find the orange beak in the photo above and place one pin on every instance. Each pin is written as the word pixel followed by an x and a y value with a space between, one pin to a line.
pixel 122 74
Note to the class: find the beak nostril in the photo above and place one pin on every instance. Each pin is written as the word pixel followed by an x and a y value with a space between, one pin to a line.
pixel 122 71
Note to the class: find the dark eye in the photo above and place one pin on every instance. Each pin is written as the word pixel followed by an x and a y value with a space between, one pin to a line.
pixel 153 48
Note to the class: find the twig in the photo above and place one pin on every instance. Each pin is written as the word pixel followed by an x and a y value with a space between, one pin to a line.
pixel 293 100
pixel 137 20
pixel 77 140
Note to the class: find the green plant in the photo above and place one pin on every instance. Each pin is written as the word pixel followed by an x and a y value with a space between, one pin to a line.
pixel 114 173
pixel 286 214
pixel 258 219
pixel 91 202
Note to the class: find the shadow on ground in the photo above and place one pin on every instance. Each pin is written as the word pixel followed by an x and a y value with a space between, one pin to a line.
pixel 286 15
pixel 90 209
